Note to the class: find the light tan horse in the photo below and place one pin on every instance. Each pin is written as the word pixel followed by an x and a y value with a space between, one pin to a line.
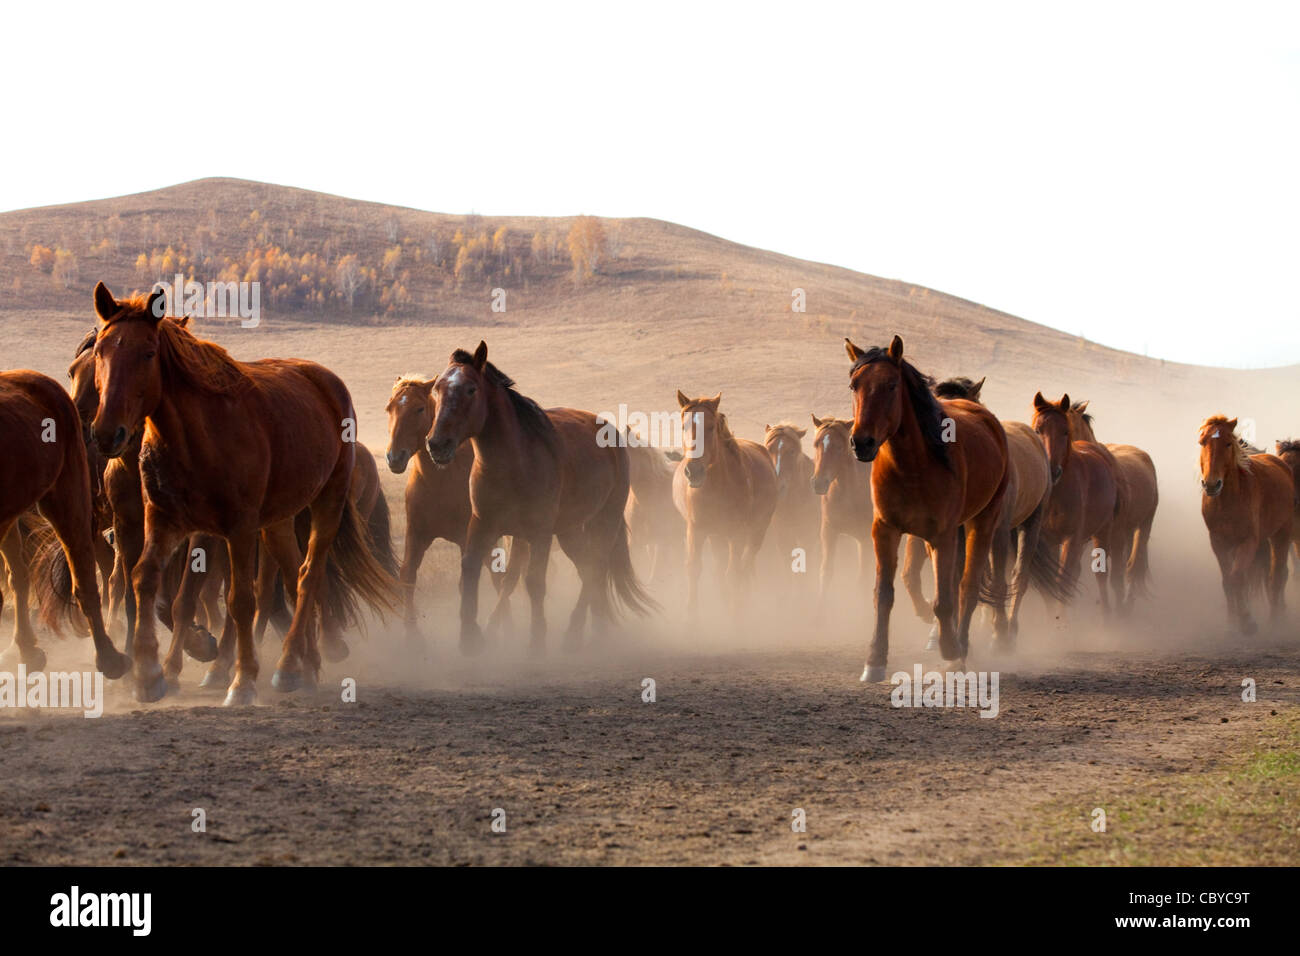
pixel 725 488
pixel 1137 496
pixel 1289 451
pixel 653 524
pixel 797 518
pixel 844 484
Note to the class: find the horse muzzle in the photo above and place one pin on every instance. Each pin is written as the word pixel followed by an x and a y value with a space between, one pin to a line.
pixel 865 448
pixel 695 476
pixel 1212 488
pixel 820 486
pixel 442 452
pixel 111 446
pixel 397 460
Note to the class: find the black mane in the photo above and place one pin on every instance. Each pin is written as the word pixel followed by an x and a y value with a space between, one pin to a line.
pixel 928 411
pixel 959 387
pixel 1288 444
pixel 88 342
pixel 532 418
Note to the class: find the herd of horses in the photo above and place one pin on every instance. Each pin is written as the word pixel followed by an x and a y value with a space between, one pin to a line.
pixel 180 475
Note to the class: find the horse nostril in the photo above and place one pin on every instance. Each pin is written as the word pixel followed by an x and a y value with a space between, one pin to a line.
pixel 119 436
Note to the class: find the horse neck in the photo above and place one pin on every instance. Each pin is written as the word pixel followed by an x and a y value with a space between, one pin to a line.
pixel 499 446
pixel 726 456
pixel 906 449
pixel 851 478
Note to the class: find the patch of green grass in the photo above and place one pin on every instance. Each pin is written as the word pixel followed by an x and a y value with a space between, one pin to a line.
pixel 1244 812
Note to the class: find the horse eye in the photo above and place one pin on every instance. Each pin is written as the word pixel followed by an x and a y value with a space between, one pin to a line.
pixel 473 389
pixel 150 354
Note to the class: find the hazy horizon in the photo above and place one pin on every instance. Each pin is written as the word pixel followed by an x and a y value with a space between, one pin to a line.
pixel 1127 177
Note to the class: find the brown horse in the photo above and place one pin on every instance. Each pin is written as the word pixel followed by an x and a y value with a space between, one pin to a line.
pixel 537 475
pixel 844 485
pixel 936 467
pixel 17 549
pixel 230 448
pixel 1137 496
pixel 1085 497
pixel 1248 503
pixel 1029 486
pixel 437 497
pixel 797 517
pixel 726 489
pixel 1289 451
pixel 44 464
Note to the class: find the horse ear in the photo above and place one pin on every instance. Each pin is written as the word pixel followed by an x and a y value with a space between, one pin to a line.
pixel 817 422
pixel 766 429
pixel 1064 403
pixel 682 400
pixel 1232 425
pixel 1040 403
pixel 427 386
pixel 1082 407
pixel 855 353
pixel 480 355
pixel 716 400
pixel 183 321
pixel 975 389
pixel 896 350
pixel 105 305
pixel 802 431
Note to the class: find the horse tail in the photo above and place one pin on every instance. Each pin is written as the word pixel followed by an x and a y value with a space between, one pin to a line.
pixel 621 579
pixel 51 580
pixel 354 570
pixel 1139 568
pixel 1046 573
pixel 381 536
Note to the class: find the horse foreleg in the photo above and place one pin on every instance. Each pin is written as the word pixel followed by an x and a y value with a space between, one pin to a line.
pixel 160 541
pixel 479 539
pixel 827 570
pixel 11 547
pixel 1000 551
pixel 694 544
pixel 418 540
pixel 539 556
pixel 948 604
pixel 914 555
pixel 886 541
pixel 1277 573
pixel 241 603
pixel 986 542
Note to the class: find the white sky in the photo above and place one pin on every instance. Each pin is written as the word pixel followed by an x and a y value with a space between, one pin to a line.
pixel 1127 171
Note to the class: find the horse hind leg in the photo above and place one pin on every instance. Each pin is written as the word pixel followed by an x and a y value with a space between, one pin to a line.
pixel 11 547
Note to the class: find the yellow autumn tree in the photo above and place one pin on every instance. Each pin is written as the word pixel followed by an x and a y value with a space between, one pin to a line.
pixel 586 246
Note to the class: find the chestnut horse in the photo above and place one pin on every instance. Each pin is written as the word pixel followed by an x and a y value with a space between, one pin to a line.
pixel 44 464
pixel 1084 499
pixel 937 466
pixel 1249 504
pixel 1137 495
pixel 437 497
pixel 844 485
pixel 230 448
pixel 537 475
pixel 798 511
pixel 725 488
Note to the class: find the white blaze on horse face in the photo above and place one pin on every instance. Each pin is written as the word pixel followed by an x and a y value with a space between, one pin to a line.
pixel 1216 434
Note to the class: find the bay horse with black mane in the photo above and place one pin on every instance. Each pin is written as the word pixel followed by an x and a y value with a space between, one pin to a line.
pixel 1289 451
pixel 44 465
pixel 936 466
pixel 1249 504
pixel 437 496
pixel 230 448
pixel 537 475
pixel 844 486
pixel 726 489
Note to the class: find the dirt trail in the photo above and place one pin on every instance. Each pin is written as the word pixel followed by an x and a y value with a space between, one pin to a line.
pixel 589 773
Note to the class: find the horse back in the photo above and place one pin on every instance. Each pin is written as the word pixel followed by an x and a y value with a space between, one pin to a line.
pixel 1277 494
pixel 33 406
pixel 980 453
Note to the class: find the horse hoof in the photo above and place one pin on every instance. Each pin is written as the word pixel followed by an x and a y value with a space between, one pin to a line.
pixel 216 677
pixel 873 674
pixel 112 664
pixel 201 645
pixel 335 649
pixel 151 689
pixel 173 683
pixel 286 682
pixel 34 659
pixel 240 695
